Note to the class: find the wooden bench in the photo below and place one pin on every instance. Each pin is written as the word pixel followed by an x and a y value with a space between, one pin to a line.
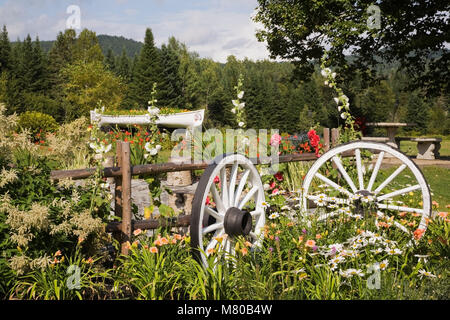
pixel 428 148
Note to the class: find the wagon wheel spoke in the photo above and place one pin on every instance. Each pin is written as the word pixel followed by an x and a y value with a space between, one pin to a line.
pixel 248 196
pixel 214 213
pixel 329 199
pixel 240 188
pixel 399 208
pixel 224 187
pixel 398 192
pixel 212 227
pixel 390 178
pixel 359 169
pixel 375 171
pixel 213 242
pixel 218 200
pixel 233 177
pixel 256 213
pixel 333 184
pixel 344 173
pixel 398 225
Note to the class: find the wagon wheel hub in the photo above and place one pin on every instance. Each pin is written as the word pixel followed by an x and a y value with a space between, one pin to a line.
pixel 361 203
pixel 237 222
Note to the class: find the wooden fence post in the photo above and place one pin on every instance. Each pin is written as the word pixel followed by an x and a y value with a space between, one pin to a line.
pixel 118 190
pixel 326 139
pixel 126 197
pixel 334 136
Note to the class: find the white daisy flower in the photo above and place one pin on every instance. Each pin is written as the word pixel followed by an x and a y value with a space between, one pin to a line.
pixel 383 264
pixel 424 273
pixel 377 250
pixel 274 215
pixel 320 202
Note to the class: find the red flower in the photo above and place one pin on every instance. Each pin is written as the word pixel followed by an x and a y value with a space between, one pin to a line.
pixel 278 176
pixel 272 185
pixel 314 139
pixel 216 179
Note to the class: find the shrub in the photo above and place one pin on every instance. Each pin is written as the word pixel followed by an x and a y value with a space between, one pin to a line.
pixel 38 123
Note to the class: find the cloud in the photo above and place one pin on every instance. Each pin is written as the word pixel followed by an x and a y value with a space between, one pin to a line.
pixel 214 33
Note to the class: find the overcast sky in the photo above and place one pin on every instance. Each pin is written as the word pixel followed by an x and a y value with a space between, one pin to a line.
pixel 213 28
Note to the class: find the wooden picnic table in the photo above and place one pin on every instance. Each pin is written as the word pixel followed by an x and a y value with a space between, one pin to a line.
pixel 391 130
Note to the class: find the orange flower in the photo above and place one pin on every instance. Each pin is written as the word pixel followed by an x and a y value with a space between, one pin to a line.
pixel 57 253
pixel 164 240
pixel 290 224
pixel 244 251
pixel 300 239
pixel 154 250
pixel 402 214
pixel 90 261
pixel 435 204
pixel 247 243
pixel 137 232
pixel 443 215
pixel 177 236
pixel 318 236
pixel 418 233
pixel 310 243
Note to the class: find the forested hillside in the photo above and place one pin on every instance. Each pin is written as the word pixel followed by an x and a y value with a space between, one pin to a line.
pixel 79 72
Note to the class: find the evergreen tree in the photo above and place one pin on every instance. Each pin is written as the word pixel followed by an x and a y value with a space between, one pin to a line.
pixel 147 72
pixel 123 68
pixel 417 113
pixel 110 61
pixel 170 87
pixel 5 51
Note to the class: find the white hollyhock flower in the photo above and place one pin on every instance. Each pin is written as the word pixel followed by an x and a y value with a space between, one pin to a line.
pixel 241 124
pixel 333 75
pixel 326 82
pixel 153 151
pixel 336 100
pixel 235 102
pixel 233 110
pixel 326 72
pixel 344 115
pixel 241 95
pixel 153 111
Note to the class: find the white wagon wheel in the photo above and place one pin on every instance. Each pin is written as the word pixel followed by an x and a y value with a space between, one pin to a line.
pixel 363 185
pixel 235 208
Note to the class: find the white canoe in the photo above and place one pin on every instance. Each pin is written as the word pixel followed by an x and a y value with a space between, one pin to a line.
pixel 189 119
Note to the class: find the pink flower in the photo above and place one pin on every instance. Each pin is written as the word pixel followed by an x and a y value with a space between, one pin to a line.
pixel 275 191
pixel 275 140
